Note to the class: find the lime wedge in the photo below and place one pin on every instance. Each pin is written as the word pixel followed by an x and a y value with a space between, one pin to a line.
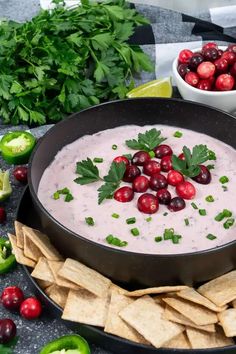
pixel 155 88
pixel 5 186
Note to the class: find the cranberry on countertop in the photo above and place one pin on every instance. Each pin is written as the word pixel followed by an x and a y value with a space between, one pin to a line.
pixel 124 194
pixel 176 204
pixel 140 158
pixel 131 173
pixel 204 176
pixel 12 297
pixel 21 174
pixel 31 308
pixel 148 203
pixel 151 167
pixel 7 330
pixel 140 184
pixel 3 215
pixel 162 150
pixel 158 181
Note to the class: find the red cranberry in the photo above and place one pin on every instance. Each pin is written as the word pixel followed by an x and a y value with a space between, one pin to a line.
pixel 140 158
pixel 192 78
pixel 176 204
pixel 31 308
pixel 140 184
pixel 166 163
pixel 221 65
pixel 164 196
pixel 195 60
pixel 158 181
pixel 148 203
pixel 162 150
pixel 206 70
pixel 120 159
pixel 233 69
pixel 174 177
pixel 181 156
pixel 185 55
pixel 204 176
pixel 124 194
pixel 21 174
pixel 183 69
pixel 210 54
pixel 209 45
pixel 12 297
pixel 7 331
pixel 232 48
pixel 151 167
pixel 3 215
pixel 131 173
pixel 204 84
pixel 229 56
pixel 185 190
pixel 224 82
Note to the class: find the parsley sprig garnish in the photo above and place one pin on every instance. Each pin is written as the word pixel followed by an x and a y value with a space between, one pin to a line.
pixel 90 173
pixel 190 166
pixel 146 141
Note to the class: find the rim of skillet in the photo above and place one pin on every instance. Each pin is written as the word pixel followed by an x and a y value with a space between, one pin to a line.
pixel 148 255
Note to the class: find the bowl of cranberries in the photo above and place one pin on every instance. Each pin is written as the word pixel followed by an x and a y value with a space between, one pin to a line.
pixel 208 75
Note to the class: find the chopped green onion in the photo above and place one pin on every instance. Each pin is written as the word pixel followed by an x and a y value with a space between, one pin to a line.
pixel 152 154
pixel 210 167
pixel 63 191
pixel 186 222
pixel 114 147
pixel 89 220
pixel 228 223
pixel 225 188
pixel 219 217
pixel 168 233
pixel 115 216
pixel 116 241
pixel 56 195
pixel 165 214
pixel 194 206
pixel 211 155
pixel 98 159
pixel 176 238
pixel 158 239
pixel 149 219
pixel 224 179
pixel 128 156
pixel 202 212
pixel 211 237
pixel 227 213
pixel 210 199
pixel 135 231
pixel 131 221
pixel 178 134
pixel 68 197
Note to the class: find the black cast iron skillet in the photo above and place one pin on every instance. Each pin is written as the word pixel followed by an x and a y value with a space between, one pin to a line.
pixel 26 213
pixel 122 266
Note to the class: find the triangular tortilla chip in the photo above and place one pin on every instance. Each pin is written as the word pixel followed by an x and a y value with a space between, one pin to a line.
pixel 156 290
pixel 19 234
pixel 115 324
pixel 84 307
pixel 44 284
pixel 55 266
pixel 30 250
pixel 179 342
pixel 85 277
pixel 228 322
pixel 204 340
pixel 42 271
pixel 145 316
pixel 43 243
pixel 58 294
pixel 19 254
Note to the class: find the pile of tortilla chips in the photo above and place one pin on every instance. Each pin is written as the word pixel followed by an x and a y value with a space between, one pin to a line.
pixel 167 316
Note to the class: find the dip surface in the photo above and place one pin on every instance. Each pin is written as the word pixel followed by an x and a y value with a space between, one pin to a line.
pixel 61 174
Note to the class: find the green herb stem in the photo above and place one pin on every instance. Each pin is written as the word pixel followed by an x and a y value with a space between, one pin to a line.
pixel 115 241
pixel 98 160
pixel 194 206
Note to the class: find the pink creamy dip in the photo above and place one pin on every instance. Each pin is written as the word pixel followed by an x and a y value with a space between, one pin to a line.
pixel 61 173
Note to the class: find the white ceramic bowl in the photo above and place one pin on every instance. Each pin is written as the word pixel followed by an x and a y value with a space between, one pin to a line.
pixel 225 100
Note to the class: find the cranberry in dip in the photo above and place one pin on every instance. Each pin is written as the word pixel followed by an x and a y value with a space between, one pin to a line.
pixel 195 213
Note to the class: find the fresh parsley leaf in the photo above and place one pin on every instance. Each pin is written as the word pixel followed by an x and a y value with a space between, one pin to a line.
pixel 88 171
pixel 112 181
pixel 147 141
pixel 190 166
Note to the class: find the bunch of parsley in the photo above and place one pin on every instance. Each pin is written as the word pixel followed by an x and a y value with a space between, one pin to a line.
pixel 65 60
